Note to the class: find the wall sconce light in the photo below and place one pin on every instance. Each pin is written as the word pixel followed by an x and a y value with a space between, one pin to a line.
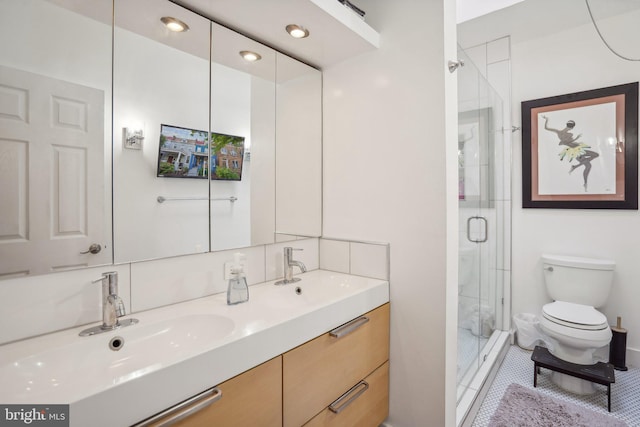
pixel 249 56
pixel 174 24
pixel 296 31
pixel 132 138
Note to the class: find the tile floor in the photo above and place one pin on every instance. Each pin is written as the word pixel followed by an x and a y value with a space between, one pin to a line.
pixel 517 367
pixel 469 347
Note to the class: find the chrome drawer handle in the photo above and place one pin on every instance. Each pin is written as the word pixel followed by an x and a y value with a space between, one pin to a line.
pixel 184 409
pixel 347 328
pixel 338 406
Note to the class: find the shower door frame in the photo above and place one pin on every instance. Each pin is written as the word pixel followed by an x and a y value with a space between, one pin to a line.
pixel 481 228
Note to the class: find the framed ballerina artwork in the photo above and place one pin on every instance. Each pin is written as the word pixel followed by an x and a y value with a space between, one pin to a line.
pixel 580 150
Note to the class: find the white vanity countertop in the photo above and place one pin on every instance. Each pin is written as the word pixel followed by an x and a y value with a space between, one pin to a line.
pixel 180 350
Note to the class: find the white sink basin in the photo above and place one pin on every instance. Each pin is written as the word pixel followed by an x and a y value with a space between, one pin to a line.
pixel 309 293
pixel 84 362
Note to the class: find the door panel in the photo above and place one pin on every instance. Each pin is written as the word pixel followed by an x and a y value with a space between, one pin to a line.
pixel 51 138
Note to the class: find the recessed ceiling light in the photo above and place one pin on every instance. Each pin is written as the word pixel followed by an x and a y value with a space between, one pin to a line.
pixel 250 56
pixel 174 24
pixel 297 31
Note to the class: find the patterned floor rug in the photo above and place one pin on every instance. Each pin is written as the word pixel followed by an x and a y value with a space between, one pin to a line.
pixel 523 407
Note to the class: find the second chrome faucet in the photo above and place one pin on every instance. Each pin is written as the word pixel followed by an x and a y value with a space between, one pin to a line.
pixel 288 264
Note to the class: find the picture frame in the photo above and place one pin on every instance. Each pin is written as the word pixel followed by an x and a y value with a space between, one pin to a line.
pixel 580 150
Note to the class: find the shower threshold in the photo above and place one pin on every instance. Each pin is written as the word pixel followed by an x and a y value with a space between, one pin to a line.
pixel 471 394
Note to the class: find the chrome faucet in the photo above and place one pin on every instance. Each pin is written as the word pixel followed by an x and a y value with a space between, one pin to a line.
pixel 289 263
pixel 112 306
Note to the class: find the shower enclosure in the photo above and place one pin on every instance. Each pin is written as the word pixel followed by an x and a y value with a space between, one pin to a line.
pixel 481 166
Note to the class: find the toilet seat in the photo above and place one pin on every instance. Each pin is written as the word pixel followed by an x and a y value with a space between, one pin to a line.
pixel 576 316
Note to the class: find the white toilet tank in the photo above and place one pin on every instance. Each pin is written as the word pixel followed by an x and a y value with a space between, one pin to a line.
pixel 584 281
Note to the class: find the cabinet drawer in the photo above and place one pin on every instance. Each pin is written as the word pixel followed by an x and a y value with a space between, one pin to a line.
pixel 362 407
pixel 253 398
pixel 317 372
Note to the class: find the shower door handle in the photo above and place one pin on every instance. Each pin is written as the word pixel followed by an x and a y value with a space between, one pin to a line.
pixel 486 229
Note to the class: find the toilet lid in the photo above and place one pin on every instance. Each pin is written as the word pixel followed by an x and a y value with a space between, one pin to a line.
pixel 574 315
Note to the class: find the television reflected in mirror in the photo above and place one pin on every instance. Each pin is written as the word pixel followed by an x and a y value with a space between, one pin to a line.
pixel 228 157
pixel 183 153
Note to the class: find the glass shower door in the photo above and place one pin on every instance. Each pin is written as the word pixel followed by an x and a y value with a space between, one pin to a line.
pixel 479 132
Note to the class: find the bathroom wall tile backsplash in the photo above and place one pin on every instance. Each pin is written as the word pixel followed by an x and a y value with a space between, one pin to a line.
pixel 334 255
pixel 361 259
pixel 47 303
pixel 42 304
pixel 370 260
pixel 169 281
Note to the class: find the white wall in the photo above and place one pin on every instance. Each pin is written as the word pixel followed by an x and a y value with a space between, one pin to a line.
pixel 385 179
pixel 561 63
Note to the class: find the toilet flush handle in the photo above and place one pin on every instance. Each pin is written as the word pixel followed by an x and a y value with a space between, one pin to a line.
pixel 549 268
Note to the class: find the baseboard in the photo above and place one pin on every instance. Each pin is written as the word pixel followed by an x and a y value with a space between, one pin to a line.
pixel 633 357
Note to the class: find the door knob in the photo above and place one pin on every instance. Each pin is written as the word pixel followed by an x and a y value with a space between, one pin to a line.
pixel 94 249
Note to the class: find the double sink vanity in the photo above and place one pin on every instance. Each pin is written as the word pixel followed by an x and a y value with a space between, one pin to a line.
pixel 287 355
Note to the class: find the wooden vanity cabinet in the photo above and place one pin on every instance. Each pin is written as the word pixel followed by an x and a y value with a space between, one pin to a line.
pixel 340 378
pixel 360 407
pixel 253 398
pixel 322 370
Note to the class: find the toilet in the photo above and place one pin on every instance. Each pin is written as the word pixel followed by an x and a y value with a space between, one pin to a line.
pixel 575 328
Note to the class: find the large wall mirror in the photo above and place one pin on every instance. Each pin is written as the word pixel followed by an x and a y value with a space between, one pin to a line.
pixel 243 99
pixel 55 136
pixel 160 90
pixel 210 151
pixel 298 149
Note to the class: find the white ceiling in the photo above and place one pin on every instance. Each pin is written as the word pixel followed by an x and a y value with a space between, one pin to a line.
pixel 336 32
pixel 470 9
pixel 536 18
pixel 330 41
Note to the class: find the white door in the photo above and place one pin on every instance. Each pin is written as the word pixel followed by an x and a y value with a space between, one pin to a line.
pixel 52 191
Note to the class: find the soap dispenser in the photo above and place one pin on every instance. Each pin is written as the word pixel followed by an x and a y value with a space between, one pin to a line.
pixel 238 291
